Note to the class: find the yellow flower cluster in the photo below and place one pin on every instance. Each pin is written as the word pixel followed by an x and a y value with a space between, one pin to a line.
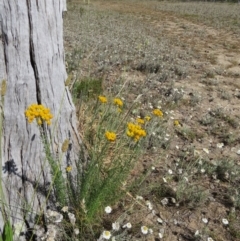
pixel 102 99
pixel 68 169
pixel 140 121
pixel 158 112
pixel 135 131
pixel 176 123
pixel 40 112
pixel 111 136
pixel 147 118
pixel 118 102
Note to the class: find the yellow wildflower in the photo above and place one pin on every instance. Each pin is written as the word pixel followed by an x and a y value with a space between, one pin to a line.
pixel 111 136
pixel 118 102
pixel 140 121
pixel 102 99
pixel 38 112
pixel 68 168
pixel 158 112
pixel 147 118
pixel 135 131
pixel 176 123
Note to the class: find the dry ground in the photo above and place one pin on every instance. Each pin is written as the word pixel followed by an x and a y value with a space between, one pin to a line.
pixel 191 67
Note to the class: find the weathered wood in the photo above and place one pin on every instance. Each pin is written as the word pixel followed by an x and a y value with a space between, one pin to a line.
pixel 32 63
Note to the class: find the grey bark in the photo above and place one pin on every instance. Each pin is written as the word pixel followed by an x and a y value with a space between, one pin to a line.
pixel 32 63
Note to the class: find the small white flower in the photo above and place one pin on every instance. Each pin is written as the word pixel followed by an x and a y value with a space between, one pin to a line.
pixel 164 201
pixel 139 197
pixel 148 203
pixel 202 170
pixel 220 145
pixel 177 147
pixel 196 233
pixel 144 229
pixel 205 220
pixel 206 150
pixel 225 221
pixel 209 239
pixel 65 209
pixel 170 171
pixel 76 231
pixel 127 225
pixel 160 235
pixel 153 168
pixel 159 220
pixel 116 226
pixel 106 235
pixel 108 209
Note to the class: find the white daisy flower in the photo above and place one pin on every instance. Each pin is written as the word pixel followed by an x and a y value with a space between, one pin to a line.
pixel 164 201
pixel 209 239
pixel 116 226
pixel 139 197
pixel 144 229
pixel 197 233
pixel 148 203
pixel 76 231
pixel 225 221
pixel 220 145
pixel 127 225
pixel 159 220
pixel 205 220
pixel 106 234
pixel 160 235
pixel 170 171
pixel 108 209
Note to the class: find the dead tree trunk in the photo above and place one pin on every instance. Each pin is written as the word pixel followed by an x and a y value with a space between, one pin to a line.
pixel 32 65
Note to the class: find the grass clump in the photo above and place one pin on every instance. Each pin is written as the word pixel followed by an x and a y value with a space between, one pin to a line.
pixel 87 88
